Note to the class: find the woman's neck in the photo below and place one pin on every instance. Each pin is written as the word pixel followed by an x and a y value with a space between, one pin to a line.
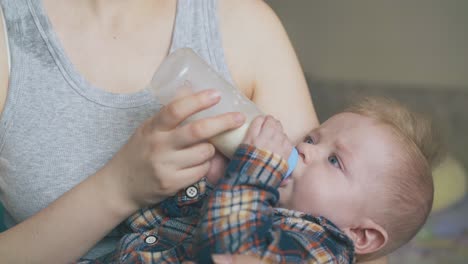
pixel 113 13
pixel 111 9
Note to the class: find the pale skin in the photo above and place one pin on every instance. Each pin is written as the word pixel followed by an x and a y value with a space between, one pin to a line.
pixel 338 162
pixel 334 174
pixel 265 69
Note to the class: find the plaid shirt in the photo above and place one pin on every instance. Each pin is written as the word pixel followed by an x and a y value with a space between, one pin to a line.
pixel 162 233
pixel 238 218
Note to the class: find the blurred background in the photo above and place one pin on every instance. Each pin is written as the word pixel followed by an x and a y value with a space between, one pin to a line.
pixel 415 51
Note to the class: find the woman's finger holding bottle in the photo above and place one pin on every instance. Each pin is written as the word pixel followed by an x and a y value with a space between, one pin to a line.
pixel 206 128
pixel 194 155
pixel 181 108
pixel 189 176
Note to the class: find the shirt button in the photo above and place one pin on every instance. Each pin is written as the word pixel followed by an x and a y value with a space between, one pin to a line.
pixel 191 192
pixel 151 240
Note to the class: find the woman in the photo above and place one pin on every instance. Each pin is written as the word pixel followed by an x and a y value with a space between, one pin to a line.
pixel 81 145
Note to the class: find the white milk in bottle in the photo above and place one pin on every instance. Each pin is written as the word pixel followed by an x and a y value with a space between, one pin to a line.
pixel 184 72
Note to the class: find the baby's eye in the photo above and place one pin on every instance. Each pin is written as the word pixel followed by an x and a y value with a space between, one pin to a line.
pixel 309 140
pixel 334 161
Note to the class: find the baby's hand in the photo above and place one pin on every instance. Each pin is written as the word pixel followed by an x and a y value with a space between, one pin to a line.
pixel 265 132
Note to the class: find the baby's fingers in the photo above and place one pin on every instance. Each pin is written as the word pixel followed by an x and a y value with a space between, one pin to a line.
pixel 254 130
pixel 272 126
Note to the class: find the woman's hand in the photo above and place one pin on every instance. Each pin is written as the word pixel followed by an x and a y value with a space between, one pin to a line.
pixel 218 166
pixel 163 156
pixel 265 132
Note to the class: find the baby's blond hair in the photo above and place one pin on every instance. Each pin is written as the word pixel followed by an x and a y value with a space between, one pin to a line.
pixel 409 187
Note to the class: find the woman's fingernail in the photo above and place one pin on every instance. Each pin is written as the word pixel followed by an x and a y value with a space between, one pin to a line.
pixel 214 95
pixel 222 259
pixel 239 118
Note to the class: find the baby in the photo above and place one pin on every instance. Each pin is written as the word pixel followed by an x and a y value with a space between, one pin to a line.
pixel 361 189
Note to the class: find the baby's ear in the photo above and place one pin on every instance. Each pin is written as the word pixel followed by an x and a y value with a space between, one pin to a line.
pixel 369 237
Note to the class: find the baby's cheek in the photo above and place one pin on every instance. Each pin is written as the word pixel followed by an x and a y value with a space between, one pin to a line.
pixel 283 193
pixel 307 199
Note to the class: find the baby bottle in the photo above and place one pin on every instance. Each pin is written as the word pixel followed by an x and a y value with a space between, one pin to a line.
pixel 183 72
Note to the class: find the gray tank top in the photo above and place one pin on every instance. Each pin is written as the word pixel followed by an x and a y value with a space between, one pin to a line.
pixel 56 128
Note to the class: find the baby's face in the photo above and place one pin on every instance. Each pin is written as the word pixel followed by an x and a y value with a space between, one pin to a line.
pixel 339 163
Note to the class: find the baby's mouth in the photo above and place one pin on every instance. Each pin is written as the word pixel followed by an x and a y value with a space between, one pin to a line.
pixel 288 180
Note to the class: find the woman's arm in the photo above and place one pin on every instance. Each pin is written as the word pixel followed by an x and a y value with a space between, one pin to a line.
pixel 264 65
pixel 67 228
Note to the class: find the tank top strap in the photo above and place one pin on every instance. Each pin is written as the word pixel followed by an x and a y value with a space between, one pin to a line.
pixel 197 27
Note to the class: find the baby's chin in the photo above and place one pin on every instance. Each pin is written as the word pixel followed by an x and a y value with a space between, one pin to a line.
pixel 285 195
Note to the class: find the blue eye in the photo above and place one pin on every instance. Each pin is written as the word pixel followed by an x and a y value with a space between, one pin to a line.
pixel 309 140
pixel 334 161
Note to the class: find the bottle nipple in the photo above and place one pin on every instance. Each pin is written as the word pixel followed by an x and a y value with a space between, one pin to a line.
pixel 292 162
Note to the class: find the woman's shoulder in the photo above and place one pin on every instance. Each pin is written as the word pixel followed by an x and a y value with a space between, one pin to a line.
pixel 264 65
pixel 247 5
pixel 248 16
pixel 248 27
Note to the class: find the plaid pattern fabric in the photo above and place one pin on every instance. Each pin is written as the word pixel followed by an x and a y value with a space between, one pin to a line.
pixel 162 233
pixel 238 218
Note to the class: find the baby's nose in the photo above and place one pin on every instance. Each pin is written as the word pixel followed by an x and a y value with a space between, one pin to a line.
pixel 308 152
pixel 302 156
